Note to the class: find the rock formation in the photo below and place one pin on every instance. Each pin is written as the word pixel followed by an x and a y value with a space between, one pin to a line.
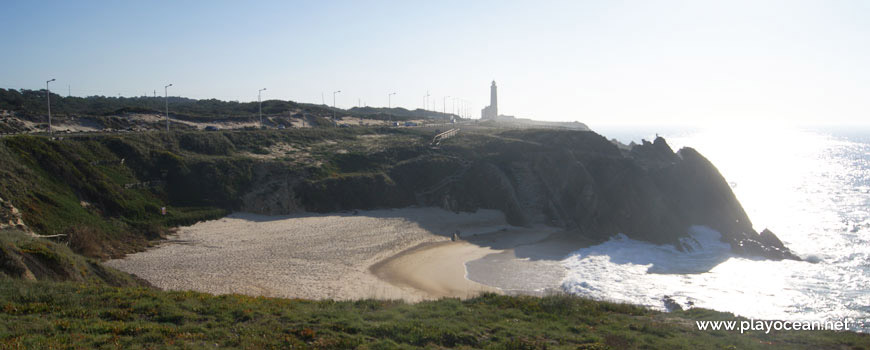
pixel 574 179
pixel 584 183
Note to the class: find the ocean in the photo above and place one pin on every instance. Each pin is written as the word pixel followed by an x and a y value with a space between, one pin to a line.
pixel 811 187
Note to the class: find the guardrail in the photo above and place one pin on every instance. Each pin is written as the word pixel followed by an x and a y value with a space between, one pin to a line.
pixel 444 135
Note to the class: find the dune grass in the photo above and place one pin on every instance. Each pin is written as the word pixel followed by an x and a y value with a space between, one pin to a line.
pixel 51 315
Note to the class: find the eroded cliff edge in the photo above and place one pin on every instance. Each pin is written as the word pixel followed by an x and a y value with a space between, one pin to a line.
pixel 576 180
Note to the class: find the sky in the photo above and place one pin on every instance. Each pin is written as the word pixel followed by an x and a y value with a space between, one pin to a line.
pixel 599 62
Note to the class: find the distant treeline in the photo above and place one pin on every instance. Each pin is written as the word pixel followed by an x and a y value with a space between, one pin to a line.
pixel 399 113
pixel 32 103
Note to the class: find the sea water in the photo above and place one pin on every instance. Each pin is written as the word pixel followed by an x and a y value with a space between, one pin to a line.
pixel 809 186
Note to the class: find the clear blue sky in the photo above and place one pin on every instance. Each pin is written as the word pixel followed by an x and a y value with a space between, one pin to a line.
pixel 602 62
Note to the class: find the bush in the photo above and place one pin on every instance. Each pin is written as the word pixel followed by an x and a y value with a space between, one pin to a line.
pixel 87 241
pixel 206 143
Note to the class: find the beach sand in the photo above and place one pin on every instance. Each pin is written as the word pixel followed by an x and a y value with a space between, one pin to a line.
pixel 385 254
pixel 438 269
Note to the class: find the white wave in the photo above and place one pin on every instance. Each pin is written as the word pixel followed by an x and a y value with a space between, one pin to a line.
pixel 631 271
pixel 811 188
pixel 619 269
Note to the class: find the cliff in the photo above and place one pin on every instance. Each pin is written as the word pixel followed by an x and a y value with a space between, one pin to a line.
pixel 576 180
pixel 581 181
pixel 112 187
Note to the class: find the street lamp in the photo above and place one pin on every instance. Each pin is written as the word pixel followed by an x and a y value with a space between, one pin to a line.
pixel 390 106
pixel 444 105
pixel 166 98
pixel 261 106
pixel 48 99
pixel 333 104
pixel 426 101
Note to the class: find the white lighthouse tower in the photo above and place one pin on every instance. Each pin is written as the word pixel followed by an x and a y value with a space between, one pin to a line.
pixel 491 111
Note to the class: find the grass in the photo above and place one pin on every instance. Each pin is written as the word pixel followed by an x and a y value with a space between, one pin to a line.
pixel 113 186
pixel 85 316
pixel 25 257
pixel 82 184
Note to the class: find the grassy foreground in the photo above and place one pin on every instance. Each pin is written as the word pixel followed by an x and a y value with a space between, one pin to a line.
pixel 52 315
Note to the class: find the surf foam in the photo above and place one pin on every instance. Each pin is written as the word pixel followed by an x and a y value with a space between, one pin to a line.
pixel 622 269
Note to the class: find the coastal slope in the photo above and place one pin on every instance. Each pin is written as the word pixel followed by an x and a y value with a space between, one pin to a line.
pixel 112 187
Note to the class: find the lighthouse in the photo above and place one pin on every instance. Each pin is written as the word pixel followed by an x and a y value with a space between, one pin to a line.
pixel 491 111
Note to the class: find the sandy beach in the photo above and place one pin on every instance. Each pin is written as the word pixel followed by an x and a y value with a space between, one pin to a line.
pixel 386 254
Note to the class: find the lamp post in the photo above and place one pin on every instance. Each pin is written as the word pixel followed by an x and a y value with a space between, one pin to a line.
pixel 48 100
pixel 333 104
pixel 260 102
pixel 389 100
pixel 444 105
pixel 426 101
pixel 166 99
pixel 390 106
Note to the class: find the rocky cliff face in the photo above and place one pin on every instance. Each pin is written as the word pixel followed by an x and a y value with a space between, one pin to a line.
pixel 581 181
pixel 574 179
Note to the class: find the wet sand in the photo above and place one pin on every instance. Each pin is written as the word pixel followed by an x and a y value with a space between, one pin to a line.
pixel 526 267
pixel 440 269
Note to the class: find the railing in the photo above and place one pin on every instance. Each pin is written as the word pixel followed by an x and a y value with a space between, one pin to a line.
pixel 444 135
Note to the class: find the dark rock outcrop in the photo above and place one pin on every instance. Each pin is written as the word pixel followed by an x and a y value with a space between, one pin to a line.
pixel 581 181
pixel 574 179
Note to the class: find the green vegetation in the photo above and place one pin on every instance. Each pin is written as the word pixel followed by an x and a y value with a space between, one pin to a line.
pixel 81 188
pixel 105 192
pixel 31 104
pixel 28 258
pixel 85 316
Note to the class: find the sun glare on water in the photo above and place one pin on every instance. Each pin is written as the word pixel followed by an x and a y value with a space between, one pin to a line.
pixel 810 188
